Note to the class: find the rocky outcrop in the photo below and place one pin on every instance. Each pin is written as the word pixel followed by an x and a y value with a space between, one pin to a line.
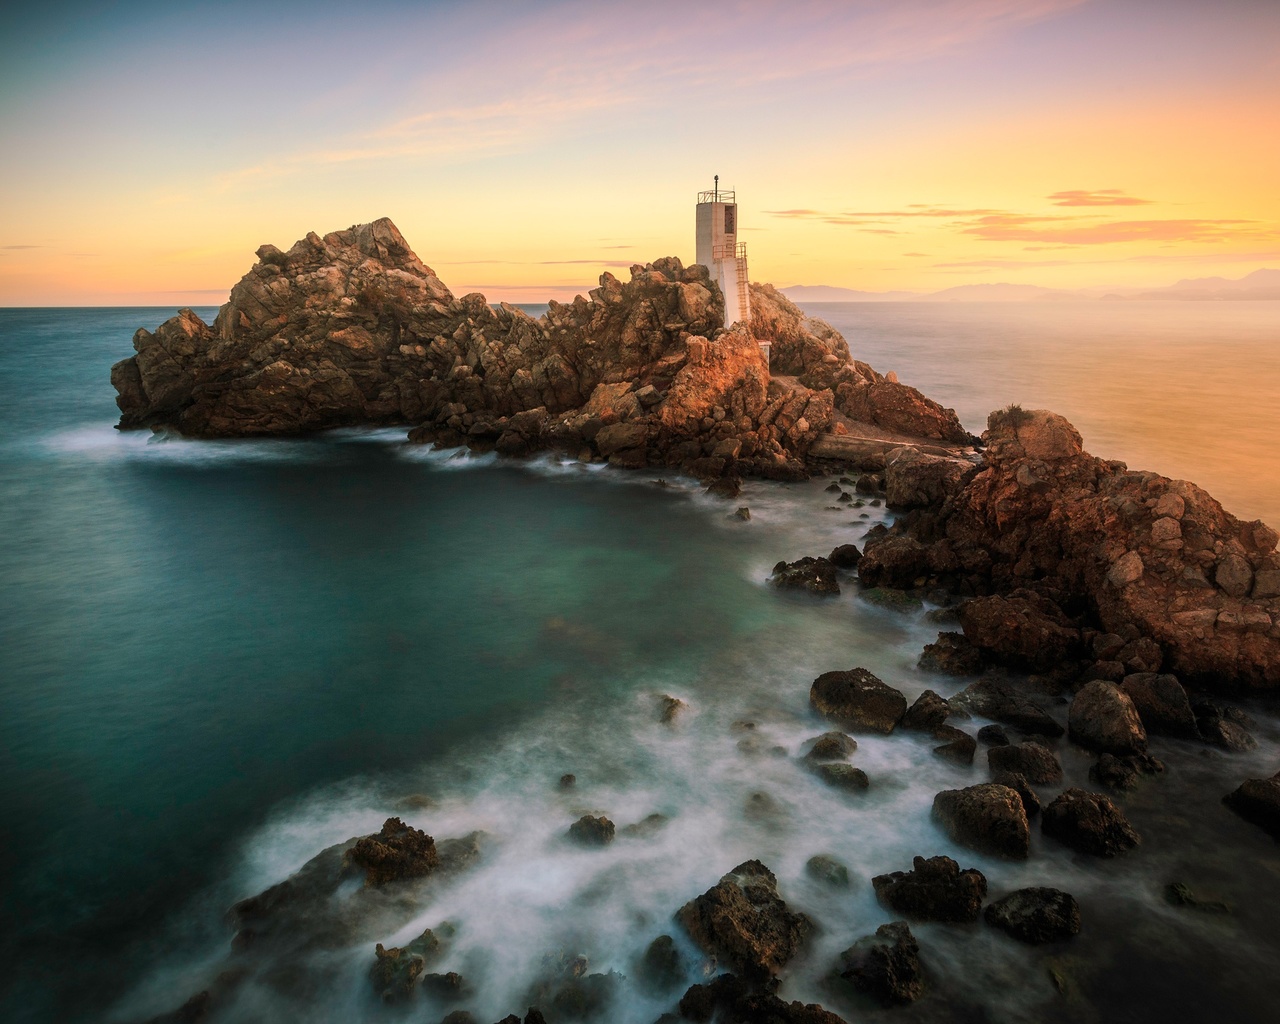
pixel 743 920
pixel 1088 823
pixel 1064 547
pixel 934 890
pixel 398 851
pixel 988 818
pixel 858 700
pixel 396 970
pixel 591 830
pixel 1035 915
pixel 886 966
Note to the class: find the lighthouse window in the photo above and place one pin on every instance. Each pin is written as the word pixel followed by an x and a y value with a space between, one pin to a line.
pixel 730 218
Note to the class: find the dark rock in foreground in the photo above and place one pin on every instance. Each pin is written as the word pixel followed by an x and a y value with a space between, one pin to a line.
pixel 1124 772
pixel 934 890
pixel 845 556
pixel 988 818
pixel 828 870
pixel 832 746
pixel 1104 719
pixel 1036 915
pixel 743 920
pixel 733 1000
pixel 858 700
pixel 1258 801
pixel 1033 761
pixel 927 713
pixel 1088 823
pixel 885 966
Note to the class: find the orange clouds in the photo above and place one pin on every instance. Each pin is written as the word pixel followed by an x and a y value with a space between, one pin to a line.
pixel 1101 197
pixel 1012 227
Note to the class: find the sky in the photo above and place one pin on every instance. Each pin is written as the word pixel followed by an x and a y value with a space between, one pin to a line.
pixel 523 147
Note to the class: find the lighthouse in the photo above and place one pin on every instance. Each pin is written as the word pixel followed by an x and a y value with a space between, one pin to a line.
pixel 720 251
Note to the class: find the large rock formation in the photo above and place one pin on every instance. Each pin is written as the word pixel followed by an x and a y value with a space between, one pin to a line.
pixel 1062 546
pixel 353 329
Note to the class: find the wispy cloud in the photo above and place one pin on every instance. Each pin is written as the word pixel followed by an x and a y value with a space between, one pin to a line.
pixel 1101 197
pixel 14 247
pixel 1013 227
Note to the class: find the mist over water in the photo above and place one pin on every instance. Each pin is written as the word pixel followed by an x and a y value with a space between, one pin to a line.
pixel 220 658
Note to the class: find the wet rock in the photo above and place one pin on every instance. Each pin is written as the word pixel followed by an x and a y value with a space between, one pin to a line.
pixel 725 486
pixel 744 921
pixel 643 829
pixel 568 781
pixel 670 708
pixel 1103 718
pixel 989 698
pixel 742 513
pixel 447 988
pixel 959 747
pixel 885 966
pixel 1162 704
pixel 729 998
pixel 396 970
pixel 1223 726
pixel 832 746
pixel 661 968
pixel 993 736
pixel 460 1017
pixel 1123 773
pixel 1019 784
pixel 592 831
pixel 813 575
pixel 952 654
pixel 845 556
pixel 927 713
pixel 1034 761
pixel 1088 823
pixel 1023 630
pixel 583 998
pixel 892 598
pixel 1178 894
pixel 934 890
pixel 989 818
pixel 1258 801
pixel 839 775
pixel 828 870
pixel 858 700
pixel 1036 915
pixel 397 852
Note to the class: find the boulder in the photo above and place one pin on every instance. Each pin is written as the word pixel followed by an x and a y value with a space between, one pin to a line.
pixel 1162 704
pixel 1123 772
pixel 989 698
pixel 916 479
pixel 993 736
pixel 744 921
pixel 1258 801
pixel 661 968
pixel 1035 915
pixel 934 890
pixel 1019 784
pixel 845 556
pixel 397 852
pixel 989 818
pixel 1033 761
pixel 828 870
pixel 952 654
pixel 592 831
pixel 1223 726
pixel 832 746
pixel 885 966
pixel 814 575
pixel 841 776
pixel 858 700
pixel 927 713
pixel 731 998
pixel 1103 718
pixel 1088 823
pixel 958 747
pixel 1022 630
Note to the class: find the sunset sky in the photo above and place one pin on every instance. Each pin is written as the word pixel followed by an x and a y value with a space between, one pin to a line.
pixel 146 149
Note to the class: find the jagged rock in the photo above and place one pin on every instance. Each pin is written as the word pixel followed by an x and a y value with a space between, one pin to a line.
pixel 959 747
pixel 989 818
pixel 832 746
pixel 916 479
pixel 1088 823
pixel 669 708
pixel 885 966
pixel 661 968
pixel 893 562
pixel 729 998
pixel 396 970
pixel 1022 629
pixel 398 851
pixel 1162 704
pixel 858 700
pixel 993 736
pixel 827 870
pixel 1033 761
pixel 1258 801
pixel 841 776
pixel 815 575
pixel 989 698
pixel 900 408
pixel 1036 915
pixel 1103 718
pixel 648 826
pixel 592 831
pixel 743 920
pixel 1019 784
pixel 927 713
pixel 447 988
pixel 845 556
pixel 934 890
pixel 1123 772
pixel 952 654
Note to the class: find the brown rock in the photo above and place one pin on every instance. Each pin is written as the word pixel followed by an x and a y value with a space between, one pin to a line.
pixel 1021 630
pixel 832 746
pixel 952 654
pixel 992 699
pixel 1088 823
pixel 858 700
pixel 1258 801
pixel 397 852
pixel 592 831
pixel 885 966
pixel 815 575
pixel 927 713
pixel 1103 718
pixel 988 818
pixel 1162 704
pixel 1036 915
pixel 1033 761
pixel 934 890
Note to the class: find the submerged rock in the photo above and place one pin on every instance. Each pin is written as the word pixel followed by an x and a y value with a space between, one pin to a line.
pixel 1258 801
pixel 661 968
pixel 592 831
pixel 1123 772
pixel 743 920
pixel 832 746
pixel 814 575
pixel 1178 894
pixel 1223 726
pixel 730 998
pixel 885 966
pixel 858 700
pixel 1088 823
pixel 934 890
pixel 841 776
pixel 828 870
pixel 989 818
pixel 1036 915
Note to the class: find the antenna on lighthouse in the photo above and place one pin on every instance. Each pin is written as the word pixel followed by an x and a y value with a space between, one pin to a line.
pixel 717 199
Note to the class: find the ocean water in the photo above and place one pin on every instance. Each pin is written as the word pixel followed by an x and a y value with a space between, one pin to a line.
pixel 219 658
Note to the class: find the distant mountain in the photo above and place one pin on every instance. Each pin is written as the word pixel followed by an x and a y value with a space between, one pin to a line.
pixel 1261 284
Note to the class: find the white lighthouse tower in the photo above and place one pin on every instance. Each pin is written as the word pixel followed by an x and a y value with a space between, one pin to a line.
pixel 720 251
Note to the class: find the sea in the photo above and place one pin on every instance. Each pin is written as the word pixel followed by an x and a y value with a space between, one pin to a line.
pixel 218 658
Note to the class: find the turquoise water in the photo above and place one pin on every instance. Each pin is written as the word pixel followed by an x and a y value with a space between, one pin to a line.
pixel 219 658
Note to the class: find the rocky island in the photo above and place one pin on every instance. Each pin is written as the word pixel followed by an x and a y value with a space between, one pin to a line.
pixel 1097 606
